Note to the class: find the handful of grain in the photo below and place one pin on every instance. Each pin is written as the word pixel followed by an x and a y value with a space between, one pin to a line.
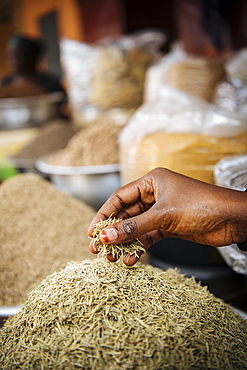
pixel 117 250
pixel 42 229
pixel 102 315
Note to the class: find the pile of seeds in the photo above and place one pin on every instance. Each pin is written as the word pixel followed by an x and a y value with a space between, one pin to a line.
pixel 42 229
pixel 102 315
pixel 96 144
pixel 52 136
pixel 116 250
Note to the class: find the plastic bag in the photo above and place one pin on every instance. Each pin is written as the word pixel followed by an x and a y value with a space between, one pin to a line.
pixel 231 172
pixel 234 258
pixel 194 75
pixel 180 132
pixel 236 65
pixel 108 75
pixel 231 94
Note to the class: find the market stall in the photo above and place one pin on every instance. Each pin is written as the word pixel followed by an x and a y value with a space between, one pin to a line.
pixel 181 306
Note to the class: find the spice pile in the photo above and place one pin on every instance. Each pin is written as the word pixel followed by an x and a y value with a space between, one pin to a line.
pixel 42 229
pixel 52 136
pixel 21 90
pixel 96 144
pixel 102 315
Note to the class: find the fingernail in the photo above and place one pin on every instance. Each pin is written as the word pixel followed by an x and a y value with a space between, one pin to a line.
pixel 109 235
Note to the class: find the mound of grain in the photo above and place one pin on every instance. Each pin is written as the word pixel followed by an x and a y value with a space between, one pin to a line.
pixel 102 315
pixel 42 229
pixel 97 144
pixel 52 136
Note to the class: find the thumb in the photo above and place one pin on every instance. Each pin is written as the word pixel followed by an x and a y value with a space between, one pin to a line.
pixel 130 228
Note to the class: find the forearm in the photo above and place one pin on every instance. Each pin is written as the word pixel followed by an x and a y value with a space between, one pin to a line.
pixel 167 204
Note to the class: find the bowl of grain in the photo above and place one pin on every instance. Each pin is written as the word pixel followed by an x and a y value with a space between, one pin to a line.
pixel 51 136
pixel 88 167
pixel 92 184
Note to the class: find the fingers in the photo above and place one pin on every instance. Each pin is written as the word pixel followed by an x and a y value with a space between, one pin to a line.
pixel 128 201
pixel 147 240
pixel 131 228
pixel 112 207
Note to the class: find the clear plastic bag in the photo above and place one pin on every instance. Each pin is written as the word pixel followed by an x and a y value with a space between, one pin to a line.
pixel 181 132
pixel 194 75
pixel 231 172
pixel 231 94
pixel 236 65
pixel 108 75
pixel 234 258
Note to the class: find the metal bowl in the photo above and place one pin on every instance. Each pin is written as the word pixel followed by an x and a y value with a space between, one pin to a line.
pixel 6 312
pixel 30 111
pixel 92 184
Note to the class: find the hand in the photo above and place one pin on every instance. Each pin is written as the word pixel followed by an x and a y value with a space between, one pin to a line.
pixel 167 204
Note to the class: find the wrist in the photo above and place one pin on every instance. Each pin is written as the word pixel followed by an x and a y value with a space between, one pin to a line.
pixel 239 220
pixel 243 246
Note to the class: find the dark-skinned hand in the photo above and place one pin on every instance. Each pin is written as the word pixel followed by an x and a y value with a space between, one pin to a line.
pixel 167 204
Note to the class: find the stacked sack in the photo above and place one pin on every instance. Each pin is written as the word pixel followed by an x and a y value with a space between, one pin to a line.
pixel 181 126
pixel 106 79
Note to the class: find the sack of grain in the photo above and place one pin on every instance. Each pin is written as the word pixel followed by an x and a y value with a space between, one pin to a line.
pixel 181 132
pixel 102 315
pixel 198 76
pixel 53 135
pixel 109 74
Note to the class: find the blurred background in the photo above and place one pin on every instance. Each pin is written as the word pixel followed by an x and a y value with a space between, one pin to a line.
pixel 88 21
pixel 115 88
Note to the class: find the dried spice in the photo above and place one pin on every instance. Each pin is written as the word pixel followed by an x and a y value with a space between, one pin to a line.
pixel 54 135
pixel 21 90
pixel 42 229
pixel 117 250
pixel 96 144
pixel 102 315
